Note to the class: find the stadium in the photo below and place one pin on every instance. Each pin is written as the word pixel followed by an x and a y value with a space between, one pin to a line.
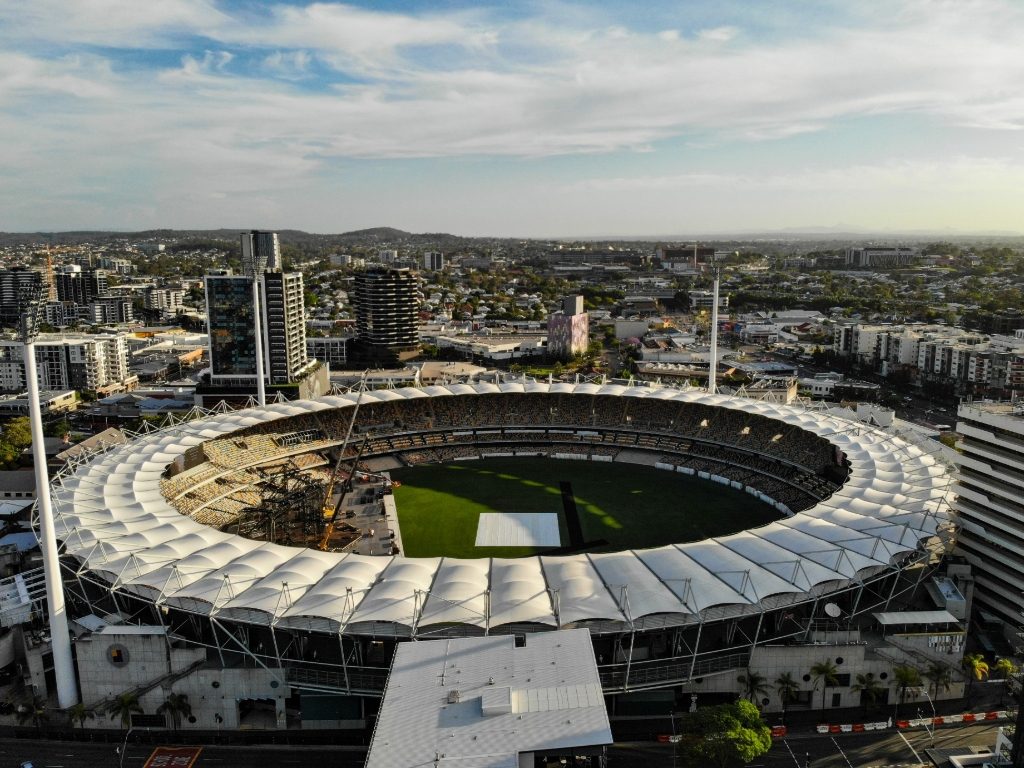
pixel 162 531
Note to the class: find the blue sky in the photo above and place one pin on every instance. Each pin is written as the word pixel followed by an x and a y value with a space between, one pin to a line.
pixel 520 119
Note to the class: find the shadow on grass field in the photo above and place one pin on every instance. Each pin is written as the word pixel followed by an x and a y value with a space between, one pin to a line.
pixel 630 506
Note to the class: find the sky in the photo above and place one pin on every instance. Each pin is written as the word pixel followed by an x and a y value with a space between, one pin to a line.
pixel 521 119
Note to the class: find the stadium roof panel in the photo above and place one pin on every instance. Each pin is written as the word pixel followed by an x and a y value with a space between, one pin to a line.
pixel 113 517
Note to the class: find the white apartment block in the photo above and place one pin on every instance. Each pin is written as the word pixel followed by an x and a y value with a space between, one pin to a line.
pixel 83 362
pixel 973 362
pixel 168 301
pixel 990 500
pixel 330 350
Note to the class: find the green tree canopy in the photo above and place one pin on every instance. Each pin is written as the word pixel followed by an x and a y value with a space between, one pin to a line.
pixel 18 433
pixel 723 736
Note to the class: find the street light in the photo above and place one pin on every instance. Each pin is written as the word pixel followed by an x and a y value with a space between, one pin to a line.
pixel 930 729
pixel 124 747
pixel 254 263
pixel 30 299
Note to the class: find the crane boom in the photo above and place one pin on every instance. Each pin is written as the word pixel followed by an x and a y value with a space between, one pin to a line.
pixel 328 507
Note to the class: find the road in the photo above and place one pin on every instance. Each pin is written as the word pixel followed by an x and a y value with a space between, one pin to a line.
pixel 70 754
pixel 864 750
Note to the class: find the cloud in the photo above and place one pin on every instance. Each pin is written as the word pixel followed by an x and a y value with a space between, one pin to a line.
pixel 290 65
pixel 718 34
pixel 965 173
pixel 116 23
pixel 221 99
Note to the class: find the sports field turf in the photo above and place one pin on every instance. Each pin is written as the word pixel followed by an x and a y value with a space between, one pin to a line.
pixel 628 505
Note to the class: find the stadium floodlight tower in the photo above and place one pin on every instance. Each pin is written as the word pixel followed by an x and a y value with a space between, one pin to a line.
pixel 254 263
pixel 63 665
pixel 713 356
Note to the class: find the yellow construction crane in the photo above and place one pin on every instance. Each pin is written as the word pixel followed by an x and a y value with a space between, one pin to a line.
pixel 330 510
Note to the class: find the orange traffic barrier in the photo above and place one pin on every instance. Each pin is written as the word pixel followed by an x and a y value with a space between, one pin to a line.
pixel 968 717
pixel 991 715
pixel 938 721
pixel 834 729
pixel 778 731
pixel 902 723
pixel 858 727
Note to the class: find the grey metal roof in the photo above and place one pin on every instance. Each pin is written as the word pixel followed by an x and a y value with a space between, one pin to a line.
pixel 478 702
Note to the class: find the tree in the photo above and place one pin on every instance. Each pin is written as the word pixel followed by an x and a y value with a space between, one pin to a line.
pixel 869 688
pixel 975 668
pixel 18 432
pixel 787 689
pixel 1006 669
pixel 904 678
pixel 826 673
pixel 175 706
pixel 78 714
pixel 124 706
pixel 34 711
pixel 57 428
pixel 753 685
pixel 940 676
pixel 16 437
pixel 723 736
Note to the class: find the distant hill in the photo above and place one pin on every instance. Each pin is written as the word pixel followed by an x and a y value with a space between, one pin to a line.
pixel 378 235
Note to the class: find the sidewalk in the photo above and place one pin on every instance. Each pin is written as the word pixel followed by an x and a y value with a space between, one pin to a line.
pixel 985 697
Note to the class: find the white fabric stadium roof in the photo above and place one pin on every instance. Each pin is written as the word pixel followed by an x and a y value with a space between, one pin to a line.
pixel 113 518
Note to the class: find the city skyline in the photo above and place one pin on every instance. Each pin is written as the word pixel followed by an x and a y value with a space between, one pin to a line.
pixel 556 120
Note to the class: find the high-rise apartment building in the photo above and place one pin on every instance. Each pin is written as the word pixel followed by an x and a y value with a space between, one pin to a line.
pixel 231 320
pixel 433 260
pixel 98 363
pixel 14 283
pixel 229 310
pixel 990 499
pixel 284 323
pixel 79 285
pixel 263 248
pixel 386 303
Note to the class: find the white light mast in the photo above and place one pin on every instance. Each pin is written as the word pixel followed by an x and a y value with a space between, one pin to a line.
pixel 713 357
pixel 254 262
pixel 60 641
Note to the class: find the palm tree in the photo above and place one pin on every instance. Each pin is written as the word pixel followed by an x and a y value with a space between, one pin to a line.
pixel 753 685
pixel 975 668
pixel 1006 669
pixel 904 678
pixel 869 688
pixel 787 689
pixel 124 706
pixel 826 673
pixel 940 676
pixel 78 713
pixel 176 706
pixel 34 710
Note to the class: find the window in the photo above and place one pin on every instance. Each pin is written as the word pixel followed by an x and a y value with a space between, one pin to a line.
pixel 117 655
pixel 836 699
